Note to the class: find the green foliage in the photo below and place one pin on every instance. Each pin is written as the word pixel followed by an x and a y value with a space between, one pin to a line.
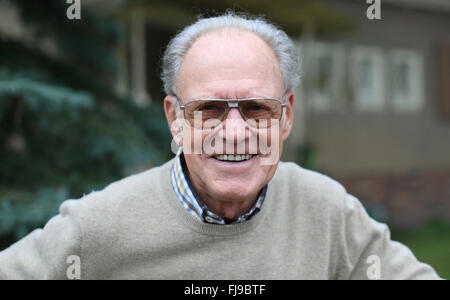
pixel 41 97
pixel 63 131
pixel 85 43
pixel 33 210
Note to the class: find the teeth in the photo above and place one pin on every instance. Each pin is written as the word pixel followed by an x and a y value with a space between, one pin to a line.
pixel 230 157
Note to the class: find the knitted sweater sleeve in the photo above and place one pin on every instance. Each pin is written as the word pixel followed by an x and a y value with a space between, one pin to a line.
pixel 47 253
pixel 371 254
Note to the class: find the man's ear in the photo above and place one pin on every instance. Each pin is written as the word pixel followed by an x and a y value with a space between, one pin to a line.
pixel 175 125
pixel 288 116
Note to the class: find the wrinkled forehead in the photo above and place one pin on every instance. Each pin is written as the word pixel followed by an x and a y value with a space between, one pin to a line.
pixel 229 59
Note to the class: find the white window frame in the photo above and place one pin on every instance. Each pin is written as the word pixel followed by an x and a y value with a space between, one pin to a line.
pixel 416 98
pixel 377 101
pixel 326 101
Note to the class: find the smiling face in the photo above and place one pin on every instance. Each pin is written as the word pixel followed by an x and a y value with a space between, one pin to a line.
pixel 231 64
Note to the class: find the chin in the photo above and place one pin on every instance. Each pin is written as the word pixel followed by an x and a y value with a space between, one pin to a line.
pixel 235 190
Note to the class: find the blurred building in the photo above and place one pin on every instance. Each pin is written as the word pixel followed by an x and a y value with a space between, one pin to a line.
pixel 377 107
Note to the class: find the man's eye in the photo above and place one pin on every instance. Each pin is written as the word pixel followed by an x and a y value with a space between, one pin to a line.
pixel 256 107
pixel 208 107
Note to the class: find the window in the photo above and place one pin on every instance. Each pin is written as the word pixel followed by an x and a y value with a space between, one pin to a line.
pixel 407 80
pixel 325 70
pixel 367 75
pixel 371 81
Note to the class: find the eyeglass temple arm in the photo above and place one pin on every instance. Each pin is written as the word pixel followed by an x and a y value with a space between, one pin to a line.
pixel 178 101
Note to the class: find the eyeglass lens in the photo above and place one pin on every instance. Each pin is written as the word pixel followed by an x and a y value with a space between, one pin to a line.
pixel 257 113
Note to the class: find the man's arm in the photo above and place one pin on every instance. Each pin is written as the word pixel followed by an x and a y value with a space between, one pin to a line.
pixel 370 252
pixel 43 253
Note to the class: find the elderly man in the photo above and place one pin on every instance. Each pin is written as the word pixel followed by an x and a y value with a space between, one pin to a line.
pixel 224 207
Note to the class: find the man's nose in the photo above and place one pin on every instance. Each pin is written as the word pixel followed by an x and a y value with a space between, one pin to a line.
pixel 234 127
pixel 234 113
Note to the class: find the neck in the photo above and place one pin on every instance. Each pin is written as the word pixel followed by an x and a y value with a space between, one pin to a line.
pixel 229 209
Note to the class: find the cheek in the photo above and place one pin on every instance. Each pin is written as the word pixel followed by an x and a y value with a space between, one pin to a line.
pixel 205 143
pixel 193 140
pixel 268 138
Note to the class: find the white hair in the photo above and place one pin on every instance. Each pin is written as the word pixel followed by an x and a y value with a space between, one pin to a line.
pixel 277 39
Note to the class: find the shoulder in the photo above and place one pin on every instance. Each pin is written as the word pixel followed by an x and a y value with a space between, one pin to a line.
pixel 309 190
pixel 132 193
pixel 308 181
pixel 138 184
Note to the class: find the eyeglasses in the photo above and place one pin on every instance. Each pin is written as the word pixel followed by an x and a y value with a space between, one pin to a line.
pixel 209 113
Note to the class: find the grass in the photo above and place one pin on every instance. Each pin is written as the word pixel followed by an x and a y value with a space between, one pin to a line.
pixel 430 244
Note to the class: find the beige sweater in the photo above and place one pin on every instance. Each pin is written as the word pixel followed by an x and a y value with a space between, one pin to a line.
pixel 308 228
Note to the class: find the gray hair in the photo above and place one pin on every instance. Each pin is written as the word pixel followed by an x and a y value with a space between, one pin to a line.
pixel 276 38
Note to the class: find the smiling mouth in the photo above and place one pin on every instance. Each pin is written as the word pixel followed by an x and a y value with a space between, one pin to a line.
pixel 233 158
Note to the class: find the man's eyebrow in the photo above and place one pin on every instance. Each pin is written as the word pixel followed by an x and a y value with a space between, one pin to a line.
pixel 253 92
pixel 227 97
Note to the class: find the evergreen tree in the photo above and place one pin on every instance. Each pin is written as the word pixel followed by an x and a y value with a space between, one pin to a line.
pixel 63 130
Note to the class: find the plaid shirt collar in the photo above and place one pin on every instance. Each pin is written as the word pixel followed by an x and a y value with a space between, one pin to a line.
pixel 194 205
